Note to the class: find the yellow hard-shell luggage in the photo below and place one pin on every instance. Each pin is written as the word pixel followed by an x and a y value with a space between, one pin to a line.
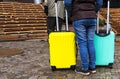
pixel 62 48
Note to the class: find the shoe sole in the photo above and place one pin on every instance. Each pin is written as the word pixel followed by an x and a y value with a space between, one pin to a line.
pixel 93 72
pixel 86 74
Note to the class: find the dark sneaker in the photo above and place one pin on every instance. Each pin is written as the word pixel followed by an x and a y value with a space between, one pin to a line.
pixel 93 71
pixel 83 72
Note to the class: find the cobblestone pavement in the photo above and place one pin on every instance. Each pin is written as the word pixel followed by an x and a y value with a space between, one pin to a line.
pixel 34 63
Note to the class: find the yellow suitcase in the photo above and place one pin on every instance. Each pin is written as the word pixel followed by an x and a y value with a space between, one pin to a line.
pixel 62 49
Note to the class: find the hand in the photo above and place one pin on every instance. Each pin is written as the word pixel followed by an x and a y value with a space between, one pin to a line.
pixel 56 1
pixel 46 9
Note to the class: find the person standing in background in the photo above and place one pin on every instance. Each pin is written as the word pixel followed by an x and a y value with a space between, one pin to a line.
pixel 49 9
pixel 84 14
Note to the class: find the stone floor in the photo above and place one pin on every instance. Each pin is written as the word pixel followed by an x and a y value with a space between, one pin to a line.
pixel 34 63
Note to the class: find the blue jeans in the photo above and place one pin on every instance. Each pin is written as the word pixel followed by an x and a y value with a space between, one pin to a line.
pixel 85 29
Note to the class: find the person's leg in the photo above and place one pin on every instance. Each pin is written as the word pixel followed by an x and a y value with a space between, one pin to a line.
pixel 50 24
pixel 91 48
pixel 80 31
pixel 60 23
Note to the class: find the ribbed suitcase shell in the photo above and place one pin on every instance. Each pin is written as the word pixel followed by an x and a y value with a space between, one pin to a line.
pixel 62 49
pixel 104 49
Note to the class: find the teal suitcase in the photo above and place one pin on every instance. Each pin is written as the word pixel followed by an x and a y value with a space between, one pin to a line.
pixel 104 41
pixel 105 49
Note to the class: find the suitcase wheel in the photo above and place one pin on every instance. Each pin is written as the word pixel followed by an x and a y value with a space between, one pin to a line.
pixel 110 65
pixel 53 68
pixel 73 67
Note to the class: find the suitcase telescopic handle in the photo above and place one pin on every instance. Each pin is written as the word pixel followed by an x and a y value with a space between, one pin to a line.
pixel 108 18
pixel 56 12
pixel 108 15
pixel 66 13
pixel 66 19
pixel 97 22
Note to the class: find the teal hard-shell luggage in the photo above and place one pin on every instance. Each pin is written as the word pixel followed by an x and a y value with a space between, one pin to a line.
pixel 105 49
pixel 104 41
